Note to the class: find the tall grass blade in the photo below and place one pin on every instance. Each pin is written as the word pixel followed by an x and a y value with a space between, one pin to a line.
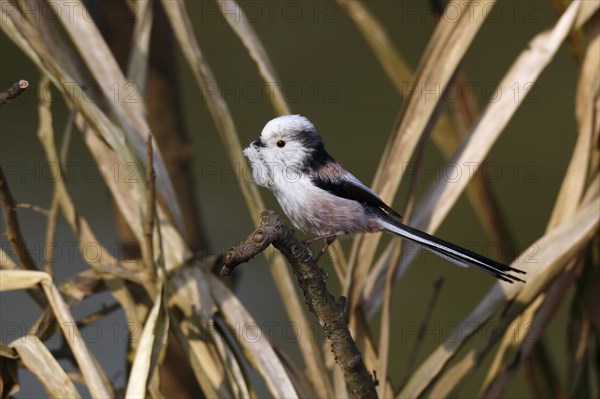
pixel 38 359
pixel 137 67
pixel 551 250
pixel 16 27
pixel 569 197
pixel 450 42
pixel 130 113
pixel 93 375
pixel 237 19
pixel 190 292
pixel 181 24
pixel 151 345
pixel 260 354
pixel 438 201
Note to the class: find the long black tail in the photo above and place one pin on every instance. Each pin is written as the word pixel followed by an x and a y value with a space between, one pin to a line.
pixel 453 253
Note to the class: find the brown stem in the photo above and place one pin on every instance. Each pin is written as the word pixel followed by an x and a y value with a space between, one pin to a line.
pixel 412 357
pixel 312 280
pixel 13 232
pixel 13 229
pixel 150 208
pixel 166 119
pixel 14 91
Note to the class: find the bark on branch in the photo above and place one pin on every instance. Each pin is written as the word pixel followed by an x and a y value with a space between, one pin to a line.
pixel 13 232
pixel 312 280
pixel 14 91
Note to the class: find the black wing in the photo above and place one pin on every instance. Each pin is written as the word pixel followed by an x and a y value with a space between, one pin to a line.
pixel 352 189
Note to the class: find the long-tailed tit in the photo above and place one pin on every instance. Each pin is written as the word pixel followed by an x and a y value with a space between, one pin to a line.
pixel 323 198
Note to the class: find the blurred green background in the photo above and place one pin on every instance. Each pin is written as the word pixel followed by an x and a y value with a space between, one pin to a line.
pixel 329 74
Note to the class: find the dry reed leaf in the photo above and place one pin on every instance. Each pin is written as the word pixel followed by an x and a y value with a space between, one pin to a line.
pixel 152 343
pixel 569 197
pixel 182 27
pixel 395 67
pixel 297 375
pixel 46 136
pixel 7 352
pixel 80 227
pixel 207 367
pixel 341 388
pixel 55 39
pixel 538 284
pixel 239 382
pixel 204 343
pixel 190 292
pixel 453 376
pixel 137 67
pixel 130 112
pixel 38 360
pixel 11 280
pixel 128 195
pixel 6 261
pixel 18 35
pixel 54 69
pixel 129 200
pixel 93 375
pixel 184 33
pixel 124 195
pixel 438 201
pixel 526 68
pixel 260 354
pixel 551 251
pixel 584 319
pixel 512 340
pixel 450 41
pixel 538 313
pixel 447 382
pixel 588 9
pixel 588 87
pixel 236 18
pixel 105 157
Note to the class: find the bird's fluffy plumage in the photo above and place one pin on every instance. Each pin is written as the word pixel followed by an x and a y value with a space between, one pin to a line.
pixel 321 197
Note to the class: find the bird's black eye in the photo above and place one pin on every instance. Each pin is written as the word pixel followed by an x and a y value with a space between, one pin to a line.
pixel 280 143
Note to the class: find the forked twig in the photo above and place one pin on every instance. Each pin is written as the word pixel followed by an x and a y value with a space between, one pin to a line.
pixel 13 232
pixel 13 229
pixel 13 92
pixel 312 280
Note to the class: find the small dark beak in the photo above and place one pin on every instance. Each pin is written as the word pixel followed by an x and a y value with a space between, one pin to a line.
pixel 258 143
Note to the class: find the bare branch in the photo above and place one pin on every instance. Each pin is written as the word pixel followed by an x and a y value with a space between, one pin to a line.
pixel 13 229
pixel 13 232
pixel 312 279
pixel 13 92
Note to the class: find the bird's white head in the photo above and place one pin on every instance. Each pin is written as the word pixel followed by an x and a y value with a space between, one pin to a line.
pixel 287 143
pixel 288 138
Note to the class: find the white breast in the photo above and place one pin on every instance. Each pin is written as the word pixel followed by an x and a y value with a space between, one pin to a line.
pixel 317 211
